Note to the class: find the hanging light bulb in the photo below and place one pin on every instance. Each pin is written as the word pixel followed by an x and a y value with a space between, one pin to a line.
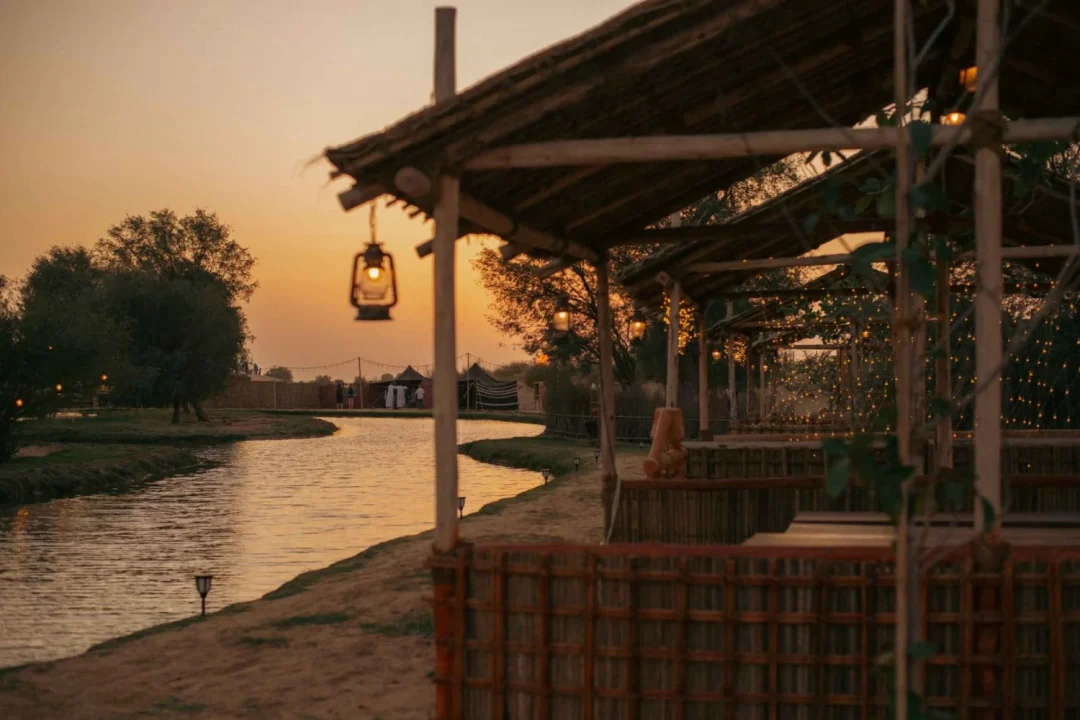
pixel 638 325
pixel 59 388
pixel 953 117
pixel 560 318
pixel 19 402
pixel 969 78
pixel 716 354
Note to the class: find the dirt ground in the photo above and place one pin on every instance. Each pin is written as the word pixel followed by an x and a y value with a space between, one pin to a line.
pixel 352 641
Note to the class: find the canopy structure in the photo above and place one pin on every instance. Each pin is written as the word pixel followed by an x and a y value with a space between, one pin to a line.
pixel 410 375
pixel 587 145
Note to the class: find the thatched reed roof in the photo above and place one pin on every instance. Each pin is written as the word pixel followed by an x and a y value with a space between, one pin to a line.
pixel 697 66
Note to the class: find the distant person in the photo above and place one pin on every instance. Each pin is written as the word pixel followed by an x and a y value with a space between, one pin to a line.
pixel 390 396
pixel 256 368
pixel 350 393
pixel 339 395
pixel 419 397
pixel 401 397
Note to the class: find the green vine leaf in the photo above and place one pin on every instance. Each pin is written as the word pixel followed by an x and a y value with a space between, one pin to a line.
pixel 836 480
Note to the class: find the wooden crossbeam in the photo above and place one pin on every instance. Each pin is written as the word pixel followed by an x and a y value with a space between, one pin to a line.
pixel 668 148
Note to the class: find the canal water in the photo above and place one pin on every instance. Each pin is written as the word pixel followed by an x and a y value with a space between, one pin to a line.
pixel 77 571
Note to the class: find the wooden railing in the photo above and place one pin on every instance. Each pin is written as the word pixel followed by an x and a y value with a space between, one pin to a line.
pixel 663 631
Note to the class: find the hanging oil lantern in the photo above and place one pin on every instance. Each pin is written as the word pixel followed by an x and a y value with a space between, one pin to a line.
pixel 374 286
pixel 560 317
pixel 716 354
pixel 638 324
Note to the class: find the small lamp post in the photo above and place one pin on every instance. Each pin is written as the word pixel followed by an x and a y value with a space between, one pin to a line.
pixel 546 473
pixel 202 584
pixel 461 506
pixel 560 318
pixel 374 285
pixel 577 463
pixel 596 455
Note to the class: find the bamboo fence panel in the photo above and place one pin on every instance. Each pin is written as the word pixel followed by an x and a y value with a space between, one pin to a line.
pixel 655 632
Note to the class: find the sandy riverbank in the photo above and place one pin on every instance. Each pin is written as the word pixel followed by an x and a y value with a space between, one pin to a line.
pixel 349 641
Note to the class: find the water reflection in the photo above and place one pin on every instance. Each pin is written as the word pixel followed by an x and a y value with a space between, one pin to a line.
pixel 78 571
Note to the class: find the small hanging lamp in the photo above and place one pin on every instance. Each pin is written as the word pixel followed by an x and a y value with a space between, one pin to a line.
pixel 953 117
pixel 716 354
pixel 560 318
pixel 374 284
pixel 637 326
pixel 969 78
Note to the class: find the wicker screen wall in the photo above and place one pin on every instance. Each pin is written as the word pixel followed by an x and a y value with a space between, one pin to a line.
pixel 658 632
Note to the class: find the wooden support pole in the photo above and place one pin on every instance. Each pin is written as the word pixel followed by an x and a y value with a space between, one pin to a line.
pixel 671 391
pixel 987 206
pixel 902 351
pixel 943 366
pixel 733 390
pixel 761 400
pixel 444 383
pixel 607 391
pixel 749 377
pixel 704 432
pixel 667 148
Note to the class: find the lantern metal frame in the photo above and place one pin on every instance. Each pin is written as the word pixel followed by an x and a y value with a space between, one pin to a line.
pixel 637 326
pixel 203 584
pixel 562 307
pixel 373 257
pixel 461 506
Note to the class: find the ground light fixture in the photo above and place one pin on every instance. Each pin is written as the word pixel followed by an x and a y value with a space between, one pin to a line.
pixel 374 284
pixel 461 506
pixel 637 326
pixel 202 584
pixel 560 317
pixel 546 473
pixel 577 463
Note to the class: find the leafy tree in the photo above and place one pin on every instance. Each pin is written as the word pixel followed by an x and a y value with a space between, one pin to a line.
pixel 188 247
pixel 322 380
pixel 386 377
pixel 281 373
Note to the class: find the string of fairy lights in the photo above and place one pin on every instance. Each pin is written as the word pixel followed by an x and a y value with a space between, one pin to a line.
pixel 818 386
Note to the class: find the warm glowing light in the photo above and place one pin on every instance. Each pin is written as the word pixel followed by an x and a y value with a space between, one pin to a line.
pixel 969 78
pixel 638 325
pixel 59 387
pixel 716 354
pixel 953 117
pixel 104 377
pixel 373 273
pixel 19 402
pixel 542 359
pixel 560 319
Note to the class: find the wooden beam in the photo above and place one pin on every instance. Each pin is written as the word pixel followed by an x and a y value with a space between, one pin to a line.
pixel 768 263
pixel 989 254
pixel 669 148
pixel 509 251
pixel 444 382
pixel 416 185
pixel 358 195
pixel 609 475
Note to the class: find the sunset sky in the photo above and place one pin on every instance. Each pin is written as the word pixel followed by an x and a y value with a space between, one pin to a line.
pixel 117 107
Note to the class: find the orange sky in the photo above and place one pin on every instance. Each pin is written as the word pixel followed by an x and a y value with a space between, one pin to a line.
pixel 116 107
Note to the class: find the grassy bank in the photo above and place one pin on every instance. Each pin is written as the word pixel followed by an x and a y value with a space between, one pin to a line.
pixel 532 418
pixel 88 468
pixel 155 426
pixel 117 449
pixel 316 647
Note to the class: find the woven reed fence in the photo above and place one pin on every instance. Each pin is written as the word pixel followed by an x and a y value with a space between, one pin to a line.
pixel 674 632
pixel 728 511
